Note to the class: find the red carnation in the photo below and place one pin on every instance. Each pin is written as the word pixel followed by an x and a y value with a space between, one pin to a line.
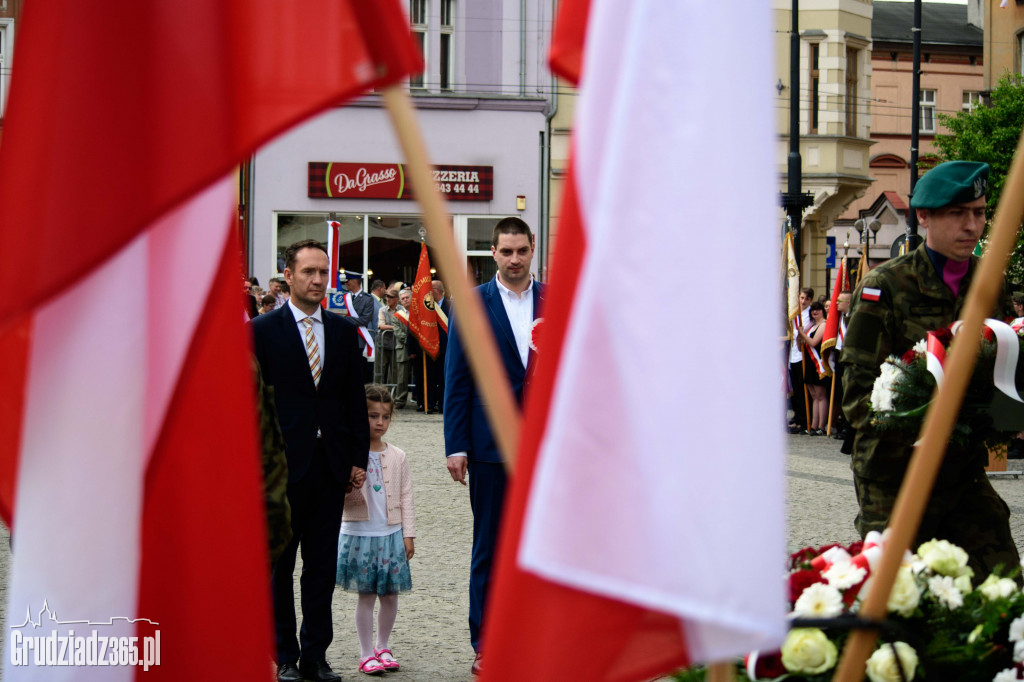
pixel 909 356
pixel 944 336
pixel 802 557
pixel 800 581
pixel 768 666
pixel 988 334
pixel 855 548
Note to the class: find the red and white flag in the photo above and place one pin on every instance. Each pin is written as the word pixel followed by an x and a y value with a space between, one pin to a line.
pixel 645 525
pixel 835 328
pixel 129 460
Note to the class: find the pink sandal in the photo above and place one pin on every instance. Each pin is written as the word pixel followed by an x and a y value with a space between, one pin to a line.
pixel 389 663
pixel 371 665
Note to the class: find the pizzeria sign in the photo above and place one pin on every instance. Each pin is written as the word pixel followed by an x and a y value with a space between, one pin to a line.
pixel 342 180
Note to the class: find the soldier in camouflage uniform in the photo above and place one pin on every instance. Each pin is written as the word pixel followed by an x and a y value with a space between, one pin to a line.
pixel 275 469
pixel 893 307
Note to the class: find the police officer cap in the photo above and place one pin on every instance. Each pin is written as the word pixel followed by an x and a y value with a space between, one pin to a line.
pixel 349 274
pixel 953 182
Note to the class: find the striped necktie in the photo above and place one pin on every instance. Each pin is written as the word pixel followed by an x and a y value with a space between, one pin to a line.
pixel 312 351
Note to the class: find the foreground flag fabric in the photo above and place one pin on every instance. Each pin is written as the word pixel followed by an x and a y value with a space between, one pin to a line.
pixel 622 531
pixel 835 331
pixel 128 455
pixel 792 278
pixel 422 317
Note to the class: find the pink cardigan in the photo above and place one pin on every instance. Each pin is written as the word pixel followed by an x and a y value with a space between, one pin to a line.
pixel 397 490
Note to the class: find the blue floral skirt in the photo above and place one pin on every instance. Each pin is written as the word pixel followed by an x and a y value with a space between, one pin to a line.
pixel 373 564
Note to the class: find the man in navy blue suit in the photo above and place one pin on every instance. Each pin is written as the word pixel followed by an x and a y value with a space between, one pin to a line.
pixel 310 357
pixel 513 301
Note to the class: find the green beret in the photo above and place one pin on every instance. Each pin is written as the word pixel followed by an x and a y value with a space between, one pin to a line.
pixel 953 182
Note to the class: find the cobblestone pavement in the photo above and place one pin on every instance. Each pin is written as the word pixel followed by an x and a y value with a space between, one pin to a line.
pixel 431 637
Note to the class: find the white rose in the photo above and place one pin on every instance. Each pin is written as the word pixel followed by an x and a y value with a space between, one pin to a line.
pixel 943 557
pixel 808 651
pixel 882 666
pixel 905 595
pixel 963 583
pixel 997 588
pixel 1018 652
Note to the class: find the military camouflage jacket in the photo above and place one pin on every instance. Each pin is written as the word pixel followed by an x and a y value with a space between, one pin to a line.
pixel 275 468
pixel 913 300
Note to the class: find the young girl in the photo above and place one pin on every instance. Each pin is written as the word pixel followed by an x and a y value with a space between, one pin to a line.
pixel 377 532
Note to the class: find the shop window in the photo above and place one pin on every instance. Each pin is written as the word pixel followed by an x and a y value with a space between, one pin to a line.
pixel 927 124
pixel 295 227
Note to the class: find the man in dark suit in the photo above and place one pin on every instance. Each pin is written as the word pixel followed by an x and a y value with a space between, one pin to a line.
pixel 364 315
pixel 513 301
pixel 311 359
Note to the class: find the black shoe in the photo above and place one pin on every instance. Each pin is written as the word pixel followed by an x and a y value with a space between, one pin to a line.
pixel 319 672
pixel 796 429
pixel 288 672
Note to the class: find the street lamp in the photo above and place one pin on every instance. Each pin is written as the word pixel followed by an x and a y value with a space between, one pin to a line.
pixel 863 226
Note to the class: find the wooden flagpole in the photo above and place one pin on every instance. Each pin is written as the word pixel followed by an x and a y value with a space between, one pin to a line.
pixel 831 401
pixel 474 330
pixel 724 671
pixel 803 380
pixel 938 424
pixel 426 402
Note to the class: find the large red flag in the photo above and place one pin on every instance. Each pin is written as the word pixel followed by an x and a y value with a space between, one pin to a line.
pixel 424 316
pixel 623 551
pixel 128 455
pixel 835 329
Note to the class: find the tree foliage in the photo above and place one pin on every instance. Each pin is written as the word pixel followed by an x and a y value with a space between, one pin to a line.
pixel 990 133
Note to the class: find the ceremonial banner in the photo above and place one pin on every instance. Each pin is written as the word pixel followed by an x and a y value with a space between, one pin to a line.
pixel 615 527
pixel 792 278
pixel 129 463
pixel 423 317
pixel 835 331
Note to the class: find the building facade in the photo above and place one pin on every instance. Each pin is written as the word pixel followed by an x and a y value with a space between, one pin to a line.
pixel 951 81
pixel 10 15
pixel 483 105
pixel 835 119
pixel 1004 37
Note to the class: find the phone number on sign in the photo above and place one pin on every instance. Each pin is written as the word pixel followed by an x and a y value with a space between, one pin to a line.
pixel 457 188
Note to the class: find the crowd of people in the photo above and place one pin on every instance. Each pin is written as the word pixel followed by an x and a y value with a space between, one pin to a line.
pixel 815 385
pixel 339 491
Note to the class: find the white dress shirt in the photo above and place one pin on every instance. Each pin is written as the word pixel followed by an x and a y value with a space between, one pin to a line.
pixel 519 308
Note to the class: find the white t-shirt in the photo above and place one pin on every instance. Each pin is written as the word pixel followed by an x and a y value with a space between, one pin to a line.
pixel 794 345
pixel 376 500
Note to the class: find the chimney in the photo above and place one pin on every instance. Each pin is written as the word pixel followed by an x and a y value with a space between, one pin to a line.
pixel 976 13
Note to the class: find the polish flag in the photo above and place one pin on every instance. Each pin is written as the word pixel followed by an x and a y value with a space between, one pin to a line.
pixel 129 462
pixel 645 525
